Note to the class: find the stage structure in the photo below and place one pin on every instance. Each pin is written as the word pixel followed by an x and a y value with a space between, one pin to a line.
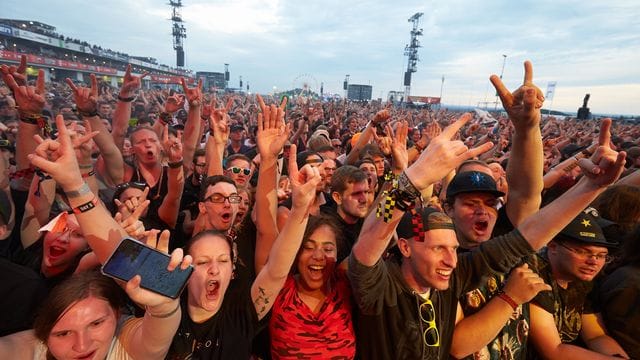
pixel 411 51
pixel 179 32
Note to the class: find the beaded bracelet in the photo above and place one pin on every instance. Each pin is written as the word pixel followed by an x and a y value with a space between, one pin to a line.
pixel 162 316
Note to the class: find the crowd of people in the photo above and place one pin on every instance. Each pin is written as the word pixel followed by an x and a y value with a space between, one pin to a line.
pixel 315 230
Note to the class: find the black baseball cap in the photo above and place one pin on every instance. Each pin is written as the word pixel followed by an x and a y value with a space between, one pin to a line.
pixel 472 181
pixel 237 127
pixel 585 228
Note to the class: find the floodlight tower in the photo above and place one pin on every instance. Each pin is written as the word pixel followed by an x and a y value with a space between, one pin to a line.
pixel 179 32
pixel 411 51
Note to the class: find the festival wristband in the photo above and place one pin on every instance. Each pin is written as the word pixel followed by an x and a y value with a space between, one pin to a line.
pixel 83 190
pixel 126 99
pixel 506 298
pixel 86 206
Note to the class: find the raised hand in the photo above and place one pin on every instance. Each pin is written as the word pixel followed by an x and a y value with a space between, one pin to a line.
pixel 81 138
pixel 523 105
pixel 174 103
pixel 524 284
pixel 384 142
pixel 131 223
pixel 156 303
pixel 172 146
pixel 272 131
pixel 193 95
pixel 443 155
pixel 382 116
pixel 303 182
pixel 86 98
pixel 131 83
pixel 19 73
pixel 219 122
pixel 399 146
pixel 58 159
pixel 605 166
pixel 29 99
pixel 134 205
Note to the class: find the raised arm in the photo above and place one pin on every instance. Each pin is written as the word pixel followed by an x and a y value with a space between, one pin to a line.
pixel 271 137
pixel 192 127
pixel 219 125
pixel 57 158
pixel 30 102
pixel 524 170
pixel 168 210
pixel 122 113
pixel 441 156
pixel 150 337
pixel 87 101
pixel 601 170
pixel 273 275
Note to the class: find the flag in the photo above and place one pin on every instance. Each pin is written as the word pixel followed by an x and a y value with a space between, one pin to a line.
pixel 551 89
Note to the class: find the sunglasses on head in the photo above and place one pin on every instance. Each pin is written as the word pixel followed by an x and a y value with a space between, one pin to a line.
pixel 237 170
pixel 133 184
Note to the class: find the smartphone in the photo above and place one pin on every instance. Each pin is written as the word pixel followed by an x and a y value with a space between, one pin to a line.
pixel 132 257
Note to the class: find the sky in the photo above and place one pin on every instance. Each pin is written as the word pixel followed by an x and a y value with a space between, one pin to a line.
pixel 586 46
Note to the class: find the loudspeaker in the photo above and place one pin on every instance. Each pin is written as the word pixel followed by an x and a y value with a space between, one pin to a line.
pixel 407 78
pixel 180 57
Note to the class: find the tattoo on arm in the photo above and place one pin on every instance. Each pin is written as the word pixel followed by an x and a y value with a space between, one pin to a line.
pixel 261 301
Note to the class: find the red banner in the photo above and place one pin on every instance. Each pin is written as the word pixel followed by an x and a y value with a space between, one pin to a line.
pixel 61 64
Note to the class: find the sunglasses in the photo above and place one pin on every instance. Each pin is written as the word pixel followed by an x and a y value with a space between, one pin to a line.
pixel 217 198
pixel 133 184
pixel 431 336
pixel 237 170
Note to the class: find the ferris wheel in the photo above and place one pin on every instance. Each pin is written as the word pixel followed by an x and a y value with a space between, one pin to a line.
pixel 305 85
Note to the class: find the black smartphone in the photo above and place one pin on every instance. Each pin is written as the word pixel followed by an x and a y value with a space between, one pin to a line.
pixel 132 258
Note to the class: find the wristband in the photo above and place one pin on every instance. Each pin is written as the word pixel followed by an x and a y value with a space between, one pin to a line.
pixel 177 164
pixel 92 113
pixel 126 99
pixel 587 153
pixel 84 189
pixel 407 186
pixel 506 298
pixel 90 173
pixel 164 118
pixel 162 316
pixel 85 166
pixel 86 206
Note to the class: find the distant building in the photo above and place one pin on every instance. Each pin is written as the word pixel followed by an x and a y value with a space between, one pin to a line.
pixel 359 92
pixel 211 79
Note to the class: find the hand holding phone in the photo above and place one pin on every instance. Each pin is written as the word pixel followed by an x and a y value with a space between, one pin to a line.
pixel 158 272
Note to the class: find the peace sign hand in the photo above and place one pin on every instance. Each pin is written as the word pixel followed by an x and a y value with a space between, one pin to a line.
pixel 443 155
pixel 523 106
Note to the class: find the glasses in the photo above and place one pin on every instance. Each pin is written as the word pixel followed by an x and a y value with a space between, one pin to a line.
pixel 237 170
pixel 133 184
pixel 431 336
pixel 201 164
pixel 584 255
pixel 217 198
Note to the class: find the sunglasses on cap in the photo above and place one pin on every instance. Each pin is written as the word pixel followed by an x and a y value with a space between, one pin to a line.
pixel 237 170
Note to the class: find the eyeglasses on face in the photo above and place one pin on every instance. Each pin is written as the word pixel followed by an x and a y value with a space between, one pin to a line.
pixel 237 170
pixel 430 336
pixel 584 255
pixel 218 198
pixel 201 164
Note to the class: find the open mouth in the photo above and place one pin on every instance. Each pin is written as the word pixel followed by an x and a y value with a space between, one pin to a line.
pixel 481 226
pixel 56 251
pixel 226 217
pixel 213 287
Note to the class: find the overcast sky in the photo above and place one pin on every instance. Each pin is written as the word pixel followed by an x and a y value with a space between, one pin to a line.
pixel 586 46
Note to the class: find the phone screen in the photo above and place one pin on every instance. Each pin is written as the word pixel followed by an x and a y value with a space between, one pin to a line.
pixel 134 258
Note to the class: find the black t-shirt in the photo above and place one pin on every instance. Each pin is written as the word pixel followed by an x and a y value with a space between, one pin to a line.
pixel 350 232
pixel 21 292
pixel 227 335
